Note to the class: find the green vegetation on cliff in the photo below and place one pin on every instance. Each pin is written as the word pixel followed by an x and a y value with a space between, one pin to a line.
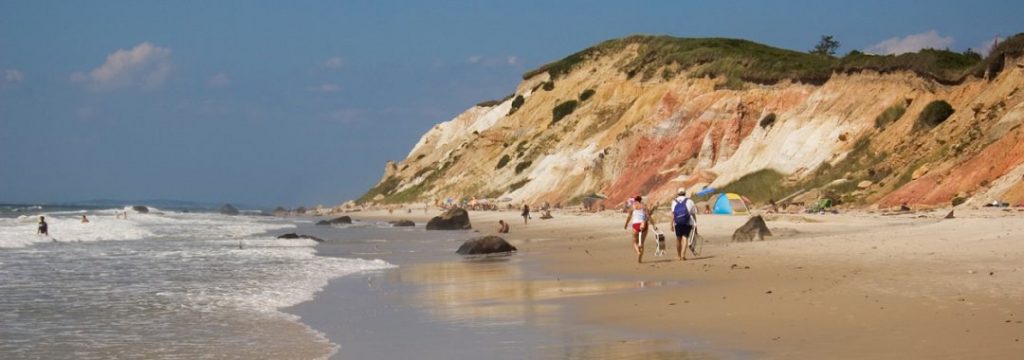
pixel 741 60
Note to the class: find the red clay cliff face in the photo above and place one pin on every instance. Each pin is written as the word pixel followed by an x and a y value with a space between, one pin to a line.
pixel 995 161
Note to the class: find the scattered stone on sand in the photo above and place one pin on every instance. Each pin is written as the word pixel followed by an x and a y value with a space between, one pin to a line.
pixel 336 221
pixel 141 209
pixel 864 184
pixel 227 209
pixel 300 236
pixel 755 227
pixel 403 222
pixel 485 245
pixel 950 215
pixel 454 219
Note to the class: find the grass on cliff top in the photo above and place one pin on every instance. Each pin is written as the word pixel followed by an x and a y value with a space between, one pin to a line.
pixel 748 61
pixel 714 57
pixel 940 65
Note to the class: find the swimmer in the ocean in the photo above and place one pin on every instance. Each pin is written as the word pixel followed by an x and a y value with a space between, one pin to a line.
pixel 43 230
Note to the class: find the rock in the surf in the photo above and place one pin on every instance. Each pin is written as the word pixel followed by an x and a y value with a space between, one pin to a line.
pixel 141 209
pixel 485 245
pixel 227 209
pixel 755 227
pixel 336 221
pixel 299 236
pixel 403 222
pixel 454 219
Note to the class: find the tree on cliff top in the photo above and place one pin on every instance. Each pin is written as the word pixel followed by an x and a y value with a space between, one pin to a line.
pixel 827 46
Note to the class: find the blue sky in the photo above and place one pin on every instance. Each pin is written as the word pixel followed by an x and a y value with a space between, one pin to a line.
pixel 302 102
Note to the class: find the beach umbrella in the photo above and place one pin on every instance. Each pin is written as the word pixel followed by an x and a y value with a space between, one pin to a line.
pixel 706 191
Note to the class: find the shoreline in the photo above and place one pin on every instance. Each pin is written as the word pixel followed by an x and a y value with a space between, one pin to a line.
pixel 857 285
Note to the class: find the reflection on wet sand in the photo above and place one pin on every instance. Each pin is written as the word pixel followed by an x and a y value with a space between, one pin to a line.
pixel 499 292
pixel 490 292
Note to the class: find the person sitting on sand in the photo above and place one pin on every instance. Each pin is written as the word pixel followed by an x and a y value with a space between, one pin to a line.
pixel 503 227
pixel 640 218
pixel 85 220
pixel 43 229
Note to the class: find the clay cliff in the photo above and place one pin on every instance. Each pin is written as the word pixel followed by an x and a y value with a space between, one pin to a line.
pixel 648 114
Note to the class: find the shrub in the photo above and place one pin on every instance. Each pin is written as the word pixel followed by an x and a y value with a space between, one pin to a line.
pixel 504 160
pixel 548 86
pixel 518 184
pixel 934 114
pixel 958 200
pixel 586 94
pixel 890 115
pixel 767 121
pixel 562 110
pixel 522 166
pixel 516 104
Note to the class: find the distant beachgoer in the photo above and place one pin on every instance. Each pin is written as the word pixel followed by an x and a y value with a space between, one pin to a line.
pixel 85 220
pixel 640 219
pixel 43 228
pixel 526 214
pixel 707 209
pixel 684 218
pixel 503 227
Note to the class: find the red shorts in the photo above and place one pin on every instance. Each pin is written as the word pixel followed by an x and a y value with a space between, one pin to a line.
pixel 637 227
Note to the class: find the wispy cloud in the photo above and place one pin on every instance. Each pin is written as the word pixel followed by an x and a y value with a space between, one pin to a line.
pixel 13 76
pixel 911 43
pixel 219 80
pixel 326 88
pixel 146 66
pixel 512 60
pixel 334 62
pixel 347 115
pixel 475 59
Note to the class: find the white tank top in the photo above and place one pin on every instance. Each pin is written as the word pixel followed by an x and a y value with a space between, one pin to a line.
pixel 639 216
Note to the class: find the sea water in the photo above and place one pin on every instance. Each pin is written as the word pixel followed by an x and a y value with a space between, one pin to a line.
pixel 164 284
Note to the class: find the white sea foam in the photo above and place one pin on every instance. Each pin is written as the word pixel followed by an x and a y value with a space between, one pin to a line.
pixel 185 268
pixel 66 226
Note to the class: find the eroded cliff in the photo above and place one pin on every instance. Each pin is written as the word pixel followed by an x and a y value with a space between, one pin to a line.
pixel 645 115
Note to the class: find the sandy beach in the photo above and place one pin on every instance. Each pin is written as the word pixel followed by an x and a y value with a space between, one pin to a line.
pixel 824 286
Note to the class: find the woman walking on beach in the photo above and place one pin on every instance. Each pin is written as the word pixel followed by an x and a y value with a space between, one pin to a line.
pixel 526 213
pixel 640 218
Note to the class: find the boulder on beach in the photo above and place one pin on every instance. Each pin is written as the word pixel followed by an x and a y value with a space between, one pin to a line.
pixel 299 236
pixel 280 211
pixel 336 221
pixel 227 209
pixel 403 222
pixel 454 219
pixel 141 209
pixel 755 227
pixel 485 245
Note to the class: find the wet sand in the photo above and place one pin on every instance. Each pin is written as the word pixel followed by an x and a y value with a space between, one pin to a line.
pixel 826 286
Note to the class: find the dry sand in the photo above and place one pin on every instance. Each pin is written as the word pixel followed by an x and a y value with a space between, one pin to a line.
pixel 826 286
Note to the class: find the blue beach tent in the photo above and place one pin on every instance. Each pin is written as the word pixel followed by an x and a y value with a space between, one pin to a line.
pixel 729 204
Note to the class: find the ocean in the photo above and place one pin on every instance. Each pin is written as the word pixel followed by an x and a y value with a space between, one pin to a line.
pixel 164 284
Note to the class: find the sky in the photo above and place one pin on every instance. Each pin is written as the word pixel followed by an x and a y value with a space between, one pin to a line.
pixel 302 102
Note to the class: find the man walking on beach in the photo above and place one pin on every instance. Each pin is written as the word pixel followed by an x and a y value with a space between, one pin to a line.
pixel 684 218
